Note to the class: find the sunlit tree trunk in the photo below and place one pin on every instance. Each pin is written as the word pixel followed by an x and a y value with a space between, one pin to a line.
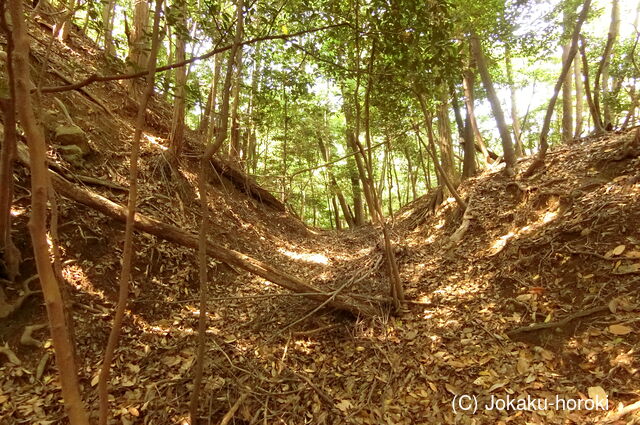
pixel 567 86
pixel 129 250
pixel 505 136
pixel 108 12
pixel 205 164
pixel 333 184
pixel 234 145
pixel 444 139
pixel 250 156
pixel 63 28
pixel 469 100
pixel 594 111
pixel 614 30
pixel 515 118
pixel 351 142
pixel 601 84
pixel 411 171
pixel 466 134
pixel 166 76
pixel 11 254
pixel 566 67
pixel 176 139
pixel 356 191
pixel 579 97
pixel 138 41
pixel 40 185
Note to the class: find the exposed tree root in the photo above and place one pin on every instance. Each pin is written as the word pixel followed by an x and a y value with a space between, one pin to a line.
pixel 227 418
pixel 219 252
pixel 568 319
pixel 27 339
pixel 7 309
pixel 42 364
pixel 10 354
pixel 622 413
pixel 460 231
pixel 559 323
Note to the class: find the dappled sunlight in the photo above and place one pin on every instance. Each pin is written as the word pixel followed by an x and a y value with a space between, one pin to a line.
pixel 542 219
pixel 316 258
pixel 17 211
pixel 76 276
pixel 154 141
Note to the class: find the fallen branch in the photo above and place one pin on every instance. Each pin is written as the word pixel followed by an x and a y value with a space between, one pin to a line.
pixel 27 335
pixel 321 393
pixel 622 412
pixel 7 309
pixel 11 356
pixel 559 323
pixel 174 234
pixel 225 420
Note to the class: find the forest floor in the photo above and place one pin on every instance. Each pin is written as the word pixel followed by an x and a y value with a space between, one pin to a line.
pixel 562 244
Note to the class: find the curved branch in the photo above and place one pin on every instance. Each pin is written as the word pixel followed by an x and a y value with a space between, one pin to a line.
pixel 94 78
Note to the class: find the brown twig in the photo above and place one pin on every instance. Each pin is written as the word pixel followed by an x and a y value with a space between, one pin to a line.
pixel 225 420
pixel 559 323
pixel 623 412
pixel 323 395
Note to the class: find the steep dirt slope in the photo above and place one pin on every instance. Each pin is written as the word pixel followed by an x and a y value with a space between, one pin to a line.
pixel 565 240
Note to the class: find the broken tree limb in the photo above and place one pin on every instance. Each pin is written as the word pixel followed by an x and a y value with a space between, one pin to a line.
pixel 174 234
pixel 246 184
pixel 570 318
pixel 559 323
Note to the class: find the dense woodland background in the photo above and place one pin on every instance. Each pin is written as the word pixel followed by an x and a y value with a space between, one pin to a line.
pixel 447 191
pixel 389 71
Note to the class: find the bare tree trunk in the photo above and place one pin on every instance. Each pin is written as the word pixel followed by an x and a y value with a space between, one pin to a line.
pixel 11 254
pixel 515 119
pixel 213 122
pixel 413 176
pixel 234 145
pixel 176 139
pixel 444 140
pixel 210 150
pixel 62 29
pixel 605 63
pixel 359 215
pixel 468 83
pixel 567 88
pixel 594 112
pixel 466 134
pixel 138 42
pixel 128 251
pixel 351 141
pixel 441 172
pixel 505 136
pixel 203 126
pixel 166 80
pixel 108 10
pixel 249 156
pixel 375 207
pixel 333 185
pixel 424 163
pixel 566 66
pixel 579 97
pixel 38 222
